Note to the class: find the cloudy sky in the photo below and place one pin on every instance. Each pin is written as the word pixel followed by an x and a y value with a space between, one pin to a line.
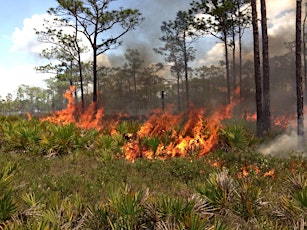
pixel 20 49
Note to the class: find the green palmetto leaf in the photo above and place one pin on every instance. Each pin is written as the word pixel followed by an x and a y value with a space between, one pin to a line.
pixel 249 200
pixel 152 143
pixel 288 209
pixel 177 210
pixel 59 139
pixel 34 206
pixel 21 135
pixel 6 175
pixel 125 127
pixel 202 206
pixel 7 205
pixel 52 216
pixel 104 142
pixel 125 206
pixel 167 225
pixel 219 225
pixel 85 138
pixel 301 198
pixel 234 136
pixel 218 189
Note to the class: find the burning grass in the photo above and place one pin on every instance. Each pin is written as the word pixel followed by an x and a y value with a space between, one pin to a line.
pixel 162 135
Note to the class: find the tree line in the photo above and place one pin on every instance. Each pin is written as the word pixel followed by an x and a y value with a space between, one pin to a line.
pixel 137 87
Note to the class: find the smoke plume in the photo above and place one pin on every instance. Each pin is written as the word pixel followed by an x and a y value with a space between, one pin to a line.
pixel 284 145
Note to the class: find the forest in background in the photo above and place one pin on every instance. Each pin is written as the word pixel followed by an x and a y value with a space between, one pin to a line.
pixel 137 87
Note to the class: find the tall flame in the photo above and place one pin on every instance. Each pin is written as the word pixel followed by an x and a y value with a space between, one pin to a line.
pixel 89 119
pixel 66 115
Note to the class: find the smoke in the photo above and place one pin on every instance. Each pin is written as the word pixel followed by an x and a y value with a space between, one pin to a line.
pixel 281 29
pixel 146 36
pixel 284 145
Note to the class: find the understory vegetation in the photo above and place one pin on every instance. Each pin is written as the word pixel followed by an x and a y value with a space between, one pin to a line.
pixel 64 177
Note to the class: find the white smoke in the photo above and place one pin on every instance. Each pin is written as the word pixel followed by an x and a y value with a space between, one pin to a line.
pixel 284 145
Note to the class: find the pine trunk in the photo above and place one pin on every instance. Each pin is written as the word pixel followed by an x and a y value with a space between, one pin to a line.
pixel 227 66
pixel 299 77
pixel 266 70
pixel 257 68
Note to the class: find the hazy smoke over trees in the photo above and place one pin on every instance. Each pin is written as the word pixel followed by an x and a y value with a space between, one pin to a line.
pixel 146 37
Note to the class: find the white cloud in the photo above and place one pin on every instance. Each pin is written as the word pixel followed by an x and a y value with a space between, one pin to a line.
pixel 18 75
pixel 21 62
pixel 25 39
pixel 214 55
pixel 25 52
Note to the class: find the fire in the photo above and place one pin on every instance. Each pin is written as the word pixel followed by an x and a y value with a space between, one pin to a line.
pixel 247 170
pixel 250 117
pixel 89 119
pixel 158 124
pixel 161 136
pixel 216 164
pixel 254 170
pixel 283 121
pixel 29 116
pixel 198 135
pixel 64 116
pixel 270 173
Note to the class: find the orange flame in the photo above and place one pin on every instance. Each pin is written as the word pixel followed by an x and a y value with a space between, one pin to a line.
pixel 247 170
pixel 64 116
pixel 88 120
pixel 91 120
pixel 198 136
pixel 283 121
pixel 29 116
pixel 172 135
pixel 270 173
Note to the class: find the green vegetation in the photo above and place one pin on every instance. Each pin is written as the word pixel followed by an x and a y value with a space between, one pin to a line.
pixel 63 177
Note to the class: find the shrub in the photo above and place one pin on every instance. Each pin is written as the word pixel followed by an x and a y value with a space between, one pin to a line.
pixel 7 205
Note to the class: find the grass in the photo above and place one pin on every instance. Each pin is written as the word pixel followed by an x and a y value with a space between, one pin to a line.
pixel 86 183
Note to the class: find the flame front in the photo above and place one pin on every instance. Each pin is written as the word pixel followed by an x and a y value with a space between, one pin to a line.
pixel 170 135
pixel 198 135
pixel 161 136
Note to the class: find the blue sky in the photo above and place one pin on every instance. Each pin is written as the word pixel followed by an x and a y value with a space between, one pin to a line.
pixel 16 64
pixel 20 50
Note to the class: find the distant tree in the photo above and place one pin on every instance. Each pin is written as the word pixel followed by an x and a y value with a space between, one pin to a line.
pixel 133 66
pixel 210 91
pixel 66 50
pixel 266 113
pixel 299 77
pixel 9 103
pixel 184 40
pixel 177 49
pixel 151 86
pixel 102 27
pixel 216 18
pixel 243 20
pixel 57 89
pixel 258 83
